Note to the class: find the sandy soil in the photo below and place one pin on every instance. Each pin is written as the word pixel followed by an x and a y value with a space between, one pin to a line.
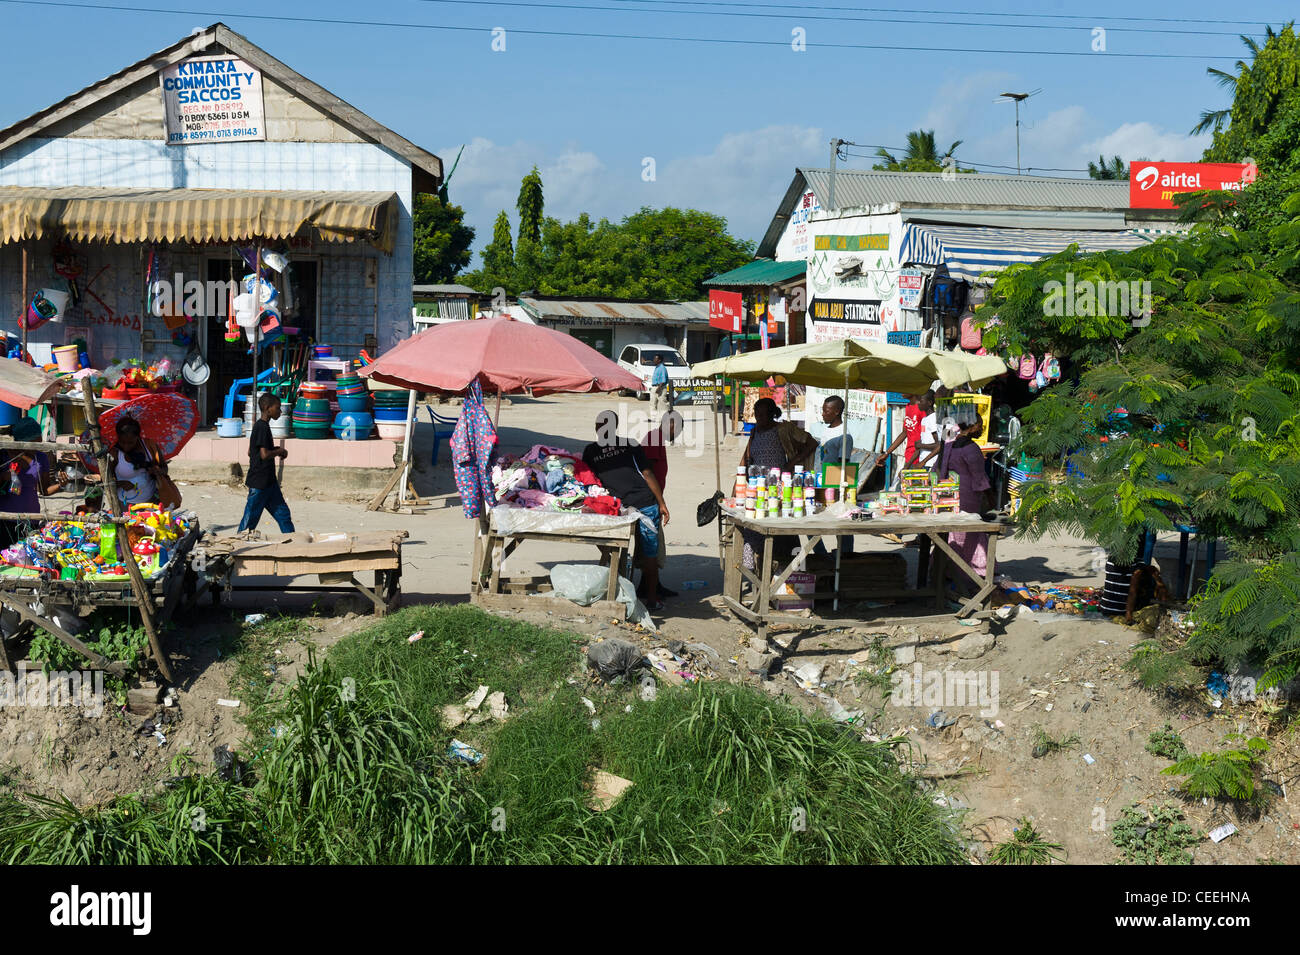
pixel 1073 664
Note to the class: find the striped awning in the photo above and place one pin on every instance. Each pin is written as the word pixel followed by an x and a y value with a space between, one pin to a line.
pixel 196 215
pixel 970 251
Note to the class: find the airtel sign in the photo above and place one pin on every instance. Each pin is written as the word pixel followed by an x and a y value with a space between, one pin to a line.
pixel 1153 185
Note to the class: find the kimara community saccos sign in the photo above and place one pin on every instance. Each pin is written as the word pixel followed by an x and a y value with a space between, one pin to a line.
pixel 212 99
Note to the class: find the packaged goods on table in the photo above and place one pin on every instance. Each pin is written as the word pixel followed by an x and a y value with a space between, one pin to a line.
pixel 77 550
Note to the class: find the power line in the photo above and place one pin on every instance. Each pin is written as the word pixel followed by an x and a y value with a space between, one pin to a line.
pixel 1090 18
pixel 959 160
pixel 803 15
pixel 586 35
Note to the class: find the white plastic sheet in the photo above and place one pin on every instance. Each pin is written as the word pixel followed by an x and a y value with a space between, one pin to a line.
pixel 514 520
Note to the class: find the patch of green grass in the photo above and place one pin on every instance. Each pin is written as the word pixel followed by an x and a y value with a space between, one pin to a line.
pixel 1161 837
pixel 1232 774
pixel 1026 847
pixel 1045 743
pixel 357 771
pixel 1167 744
pixel 117 634
pixel 252 650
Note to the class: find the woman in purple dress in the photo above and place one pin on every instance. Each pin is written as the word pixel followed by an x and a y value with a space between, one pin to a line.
pixel 964 458
pixel 32 469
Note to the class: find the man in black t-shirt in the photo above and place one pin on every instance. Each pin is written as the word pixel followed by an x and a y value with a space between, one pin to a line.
pixel 624 471
pixel 264 492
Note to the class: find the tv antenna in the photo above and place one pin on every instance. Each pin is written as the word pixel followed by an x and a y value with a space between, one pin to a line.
pixel 1018 98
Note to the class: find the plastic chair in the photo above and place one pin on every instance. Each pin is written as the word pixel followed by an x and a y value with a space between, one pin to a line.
pixel 234 395
pixel 448 425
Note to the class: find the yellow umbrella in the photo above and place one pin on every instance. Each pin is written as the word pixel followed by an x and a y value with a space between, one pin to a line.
pixel 849 363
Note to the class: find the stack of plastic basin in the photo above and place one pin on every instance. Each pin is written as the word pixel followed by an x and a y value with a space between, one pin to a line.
pixel 352 393
pixel 311 418
pixel 390 413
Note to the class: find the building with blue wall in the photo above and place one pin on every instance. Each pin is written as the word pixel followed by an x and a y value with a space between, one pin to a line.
pixel 154 172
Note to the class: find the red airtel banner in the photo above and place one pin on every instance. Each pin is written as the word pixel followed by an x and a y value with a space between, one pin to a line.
pixel 726 310
pixel 1153 185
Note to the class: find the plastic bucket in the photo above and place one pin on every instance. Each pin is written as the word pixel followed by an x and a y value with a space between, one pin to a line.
pixel 353 425
pixel 389 431
pixel 68 358
pixel 230 427
pixel 353 403
pixel 9 415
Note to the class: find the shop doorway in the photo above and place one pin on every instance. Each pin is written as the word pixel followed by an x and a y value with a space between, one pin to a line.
pixel 233 361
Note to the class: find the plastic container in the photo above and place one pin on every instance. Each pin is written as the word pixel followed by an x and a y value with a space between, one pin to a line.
pixel 389 414
pixel 9 415
pixel 353 425
pixel 354 403
pixel 67 358
pixel 230 427
pixel 391 431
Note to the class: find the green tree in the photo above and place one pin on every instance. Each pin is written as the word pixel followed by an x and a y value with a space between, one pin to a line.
pixel 442 240
pixel 498 268
pixel 1101 169
pixel 530 206
pixel 1259 91
pixel 1213 120
pixel 922 155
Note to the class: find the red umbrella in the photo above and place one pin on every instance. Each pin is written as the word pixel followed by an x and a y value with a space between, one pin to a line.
pixel 504 355
pixel 166 418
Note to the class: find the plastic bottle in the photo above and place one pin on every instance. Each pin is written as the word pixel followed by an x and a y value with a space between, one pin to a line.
pixel 15 482
pixel 787 488
pixel 742 483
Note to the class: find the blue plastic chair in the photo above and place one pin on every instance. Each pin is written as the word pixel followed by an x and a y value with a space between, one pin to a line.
pixel 448 426
pixel 234 395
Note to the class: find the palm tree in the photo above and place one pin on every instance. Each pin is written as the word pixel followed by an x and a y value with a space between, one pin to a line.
pixel 1212 120
pixel 1101 169
pixel 922 154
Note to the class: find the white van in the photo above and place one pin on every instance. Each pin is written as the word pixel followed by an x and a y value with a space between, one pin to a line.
pixel 639 360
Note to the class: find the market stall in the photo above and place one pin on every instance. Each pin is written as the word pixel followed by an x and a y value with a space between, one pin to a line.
pixel 763 606
pixel 547 494
pixel 796 509
pixel 136 557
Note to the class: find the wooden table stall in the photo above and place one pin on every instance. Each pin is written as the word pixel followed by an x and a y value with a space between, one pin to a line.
pixel 758 607
pixel 502 531
pixel 335 558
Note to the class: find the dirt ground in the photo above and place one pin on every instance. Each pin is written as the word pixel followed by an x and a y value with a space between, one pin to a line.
pixel 1054 671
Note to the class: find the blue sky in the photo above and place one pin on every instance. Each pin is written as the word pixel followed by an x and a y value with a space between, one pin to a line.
pixel 726 124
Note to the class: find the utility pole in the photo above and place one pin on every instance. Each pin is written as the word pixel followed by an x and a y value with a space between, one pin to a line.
pixel 835 151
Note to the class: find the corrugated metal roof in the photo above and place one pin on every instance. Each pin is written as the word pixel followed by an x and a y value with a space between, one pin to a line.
pixel 442 290
pixel 860 187
pixel 762 272
pixel 966 191
pixel 615 311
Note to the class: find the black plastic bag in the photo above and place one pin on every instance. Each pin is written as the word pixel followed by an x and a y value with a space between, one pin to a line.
pixel 707 511
pixel 228 767
pixel 614 658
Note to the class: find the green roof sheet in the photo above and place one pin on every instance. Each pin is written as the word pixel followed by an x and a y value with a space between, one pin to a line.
pixel 762 272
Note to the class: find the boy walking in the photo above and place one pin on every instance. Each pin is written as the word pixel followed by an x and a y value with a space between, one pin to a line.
pixel 264 492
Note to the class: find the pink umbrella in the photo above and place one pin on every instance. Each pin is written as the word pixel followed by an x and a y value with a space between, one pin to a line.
pixel 504 355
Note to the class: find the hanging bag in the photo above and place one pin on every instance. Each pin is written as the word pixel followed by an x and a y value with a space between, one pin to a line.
pixel 1028 367
pixel 971 337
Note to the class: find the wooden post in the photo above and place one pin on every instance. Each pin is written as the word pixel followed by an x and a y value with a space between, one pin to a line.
pixel 23 304
pixel 142 596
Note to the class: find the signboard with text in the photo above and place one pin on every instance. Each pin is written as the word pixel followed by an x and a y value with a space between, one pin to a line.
pixel 212 99
pixel 1153 185
pixel 726 310
pixel 910 283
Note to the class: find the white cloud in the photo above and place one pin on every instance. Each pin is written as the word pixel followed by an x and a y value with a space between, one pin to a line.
pixel 1148 141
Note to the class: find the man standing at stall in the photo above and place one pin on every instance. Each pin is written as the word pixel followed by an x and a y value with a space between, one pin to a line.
pixel 625 471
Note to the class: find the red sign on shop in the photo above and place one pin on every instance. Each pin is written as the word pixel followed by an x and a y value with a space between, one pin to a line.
pixel 726 310
pixel 1153 185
